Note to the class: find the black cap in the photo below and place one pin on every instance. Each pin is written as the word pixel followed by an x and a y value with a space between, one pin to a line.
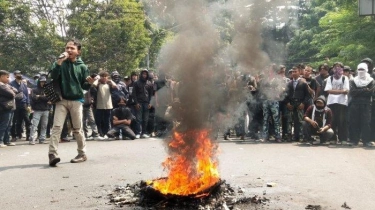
pixel 42 79
pixel 347 68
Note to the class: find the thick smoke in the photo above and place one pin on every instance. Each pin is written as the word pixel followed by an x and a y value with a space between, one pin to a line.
pixel 198 58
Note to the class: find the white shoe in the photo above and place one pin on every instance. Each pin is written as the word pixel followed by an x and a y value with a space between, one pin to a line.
pixel 145 136
pixel 3 145
pixel 137 136
pixel 101 137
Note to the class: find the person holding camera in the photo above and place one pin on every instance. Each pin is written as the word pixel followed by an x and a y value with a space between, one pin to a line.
pixel 73 76
pixel 101 91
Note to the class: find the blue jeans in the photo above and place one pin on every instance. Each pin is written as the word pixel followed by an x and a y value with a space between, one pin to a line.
pixel 5 125
pixel 42 117
pixel 142 119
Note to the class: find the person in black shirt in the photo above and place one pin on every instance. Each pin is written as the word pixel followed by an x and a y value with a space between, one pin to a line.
pixel 312 86
pixel 323 74
pixel 122 118
pixel 296 98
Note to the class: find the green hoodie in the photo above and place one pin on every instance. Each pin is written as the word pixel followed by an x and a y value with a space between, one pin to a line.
pixel 72 77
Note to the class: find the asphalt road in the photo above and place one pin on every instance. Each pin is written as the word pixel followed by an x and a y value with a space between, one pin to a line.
pixel 318 175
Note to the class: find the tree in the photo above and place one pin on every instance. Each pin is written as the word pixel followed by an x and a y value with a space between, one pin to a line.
pixel 28 39
pixel 346 37
pixel 113 33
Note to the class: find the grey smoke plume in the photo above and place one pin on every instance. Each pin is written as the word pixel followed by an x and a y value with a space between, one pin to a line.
pixel 199 59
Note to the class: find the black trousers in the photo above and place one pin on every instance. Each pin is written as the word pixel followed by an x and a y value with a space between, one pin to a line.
pixel 20 115
pixel 340 121
pixel 125 130
pixel 360 118
pixel 309 130
pixel 151 120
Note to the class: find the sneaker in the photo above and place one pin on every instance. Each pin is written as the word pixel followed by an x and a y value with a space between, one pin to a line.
pixel 94 135
pixel 278 140
pixel 265 140
pixel 3 145
pixel 137 136
pixel 31 142
pixel 53 159
pixel 79 158
pixel 42 142
pixel 145 136
pixel 10 144
pixel 369 144
pixel 344 143
pixel 99 138
pixel 14 139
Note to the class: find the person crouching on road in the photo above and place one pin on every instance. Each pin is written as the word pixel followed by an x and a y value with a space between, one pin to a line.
pixel 122 118
pixel 317 121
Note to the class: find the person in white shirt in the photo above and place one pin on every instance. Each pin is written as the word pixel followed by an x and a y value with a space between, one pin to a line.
pixel 337 88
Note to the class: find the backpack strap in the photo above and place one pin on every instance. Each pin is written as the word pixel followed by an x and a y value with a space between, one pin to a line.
pixel 342 78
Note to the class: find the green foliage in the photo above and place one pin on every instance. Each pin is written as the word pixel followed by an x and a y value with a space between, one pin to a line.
pixel 113 33
pixel 332 31
pixel 26 44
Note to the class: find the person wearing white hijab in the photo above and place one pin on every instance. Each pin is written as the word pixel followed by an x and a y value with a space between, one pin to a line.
pixel 361 89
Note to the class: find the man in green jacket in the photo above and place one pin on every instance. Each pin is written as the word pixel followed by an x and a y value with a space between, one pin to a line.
pixel 73 77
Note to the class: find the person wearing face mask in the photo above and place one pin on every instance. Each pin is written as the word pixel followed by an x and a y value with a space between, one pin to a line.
pixel 22 108
pixel 122 117
pixel 337 87
pixel 121 90
pixel 317 121
pixel 361 89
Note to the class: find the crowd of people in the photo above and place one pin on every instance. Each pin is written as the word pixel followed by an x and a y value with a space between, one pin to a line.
pixel 332 102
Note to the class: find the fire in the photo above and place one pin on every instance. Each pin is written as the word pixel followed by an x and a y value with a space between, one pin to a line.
pixel 191 166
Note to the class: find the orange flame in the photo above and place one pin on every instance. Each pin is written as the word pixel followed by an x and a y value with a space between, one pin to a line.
pixel 191 166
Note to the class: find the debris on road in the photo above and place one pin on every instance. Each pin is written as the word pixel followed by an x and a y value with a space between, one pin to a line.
pixel 345 206
pixel 271 184
pixel 222 197
pixel 313 207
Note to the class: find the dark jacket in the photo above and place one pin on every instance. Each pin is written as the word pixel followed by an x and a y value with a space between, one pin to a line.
pixel 361 95
pixel 121 91
pixel 39 103
pixel 88 99
pixel 72 78
pixel 142 90
pixel 319 114
pixel 298 95
pixel 21 88
pixel 7 94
